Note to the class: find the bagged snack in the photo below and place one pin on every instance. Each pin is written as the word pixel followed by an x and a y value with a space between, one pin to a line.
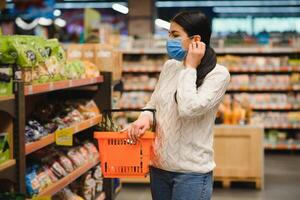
pixel 31 180
pixel 50 174
pixel 7 54
pixel 98 178
pixel 92 149
pixel 67 194
pixel 89 184
pixel 44 179
pixel 66 163
pixel 53 48
pixel 76 157
pixel 57 169
pixel 74 70
pixel 26 54
pixel 84 152
pixel 91 70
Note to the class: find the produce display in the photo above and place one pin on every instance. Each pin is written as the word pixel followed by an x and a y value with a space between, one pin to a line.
pixel 49 165
pixel 42 60
pixel 51 116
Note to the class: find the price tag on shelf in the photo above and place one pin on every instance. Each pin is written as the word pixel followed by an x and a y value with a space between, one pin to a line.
pixel 64 137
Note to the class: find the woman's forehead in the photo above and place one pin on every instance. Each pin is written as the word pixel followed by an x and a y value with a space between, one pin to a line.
pixel 175 27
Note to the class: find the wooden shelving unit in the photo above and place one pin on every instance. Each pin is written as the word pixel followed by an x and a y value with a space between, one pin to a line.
pixel 7 164
pixel 62 183
pixel 49 139
pixel 60 85
pixel 15 105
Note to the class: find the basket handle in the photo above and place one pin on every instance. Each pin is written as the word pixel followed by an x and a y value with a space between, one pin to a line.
pixel 134 110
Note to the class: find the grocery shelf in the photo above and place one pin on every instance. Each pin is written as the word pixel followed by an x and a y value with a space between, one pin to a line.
pixel 7 164
pixel 150 89
pixel 49 139
pixel 141 70
pixel 62 183
pixel 287 69
pixel 276 108
pixel 7 104
pixel 282 146
pixel 282 127
pixel 225 50
pixel 257 50
pixel 59 85
pixel 263 89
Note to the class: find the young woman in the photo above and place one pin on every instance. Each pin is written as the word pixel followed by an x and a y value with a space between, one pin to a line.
pixel 186 98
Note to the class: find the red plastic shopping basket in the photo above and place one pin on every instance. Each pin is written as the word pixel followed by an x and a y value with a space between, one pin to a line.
pixel 122 159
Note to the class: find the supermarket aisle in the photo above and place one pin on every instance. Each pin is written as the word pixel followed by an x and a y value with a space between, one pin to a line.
pixel 282 180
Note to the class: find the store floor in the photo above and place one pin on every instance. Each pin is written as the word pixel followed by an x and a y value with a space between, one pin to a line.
pixel 282 182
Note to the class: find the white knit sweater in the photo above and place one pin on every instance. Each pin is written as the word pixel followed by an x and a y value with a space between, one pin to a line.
pixel 184 140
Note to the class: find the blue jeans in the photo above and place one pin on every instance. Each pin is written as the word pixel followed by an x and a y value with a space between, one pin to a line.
pixel 167 185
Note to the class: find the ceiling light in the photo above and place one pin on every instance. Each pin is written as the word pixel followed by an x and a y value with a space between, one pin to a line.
pixel 60 22
pixel 45 21
pixel 120 8
pixel 168 4
pixel 162 23
pixel 232 10
pixel 56 13
pixel 26 26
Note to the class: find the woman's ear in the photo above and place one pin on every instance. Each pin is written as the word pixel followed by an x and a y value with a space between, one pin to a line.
pixel 197 38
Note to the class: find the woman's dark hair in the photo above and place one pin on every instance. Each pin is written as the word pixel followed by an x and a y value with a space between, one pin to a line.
pixel 196 23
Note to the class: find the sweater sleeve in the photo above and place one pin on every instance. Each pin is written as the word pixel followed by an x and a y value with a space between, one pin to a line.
pixel 152 103
pixel 193 102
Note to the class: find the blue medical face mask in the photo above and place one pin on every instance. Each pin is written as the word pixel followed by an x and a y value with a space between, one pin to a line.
pixel 175 50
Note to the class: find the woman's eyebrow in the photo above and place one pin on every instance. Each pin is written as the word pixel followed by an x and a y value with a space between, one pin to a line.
pixel 173 32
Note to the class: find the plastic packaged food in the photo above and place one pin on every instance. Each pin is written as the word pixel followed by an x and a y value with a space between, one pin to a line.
pixel 92 149
pixel 76 157
pixel 67 194
pixel 31 180
pixel 50 174
pixel 84 152
pixel 7 55
pixel 98 178
pixel 88 191
pixel 57 169
pixel 26 54
pixel 44 179
pixel 66 163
